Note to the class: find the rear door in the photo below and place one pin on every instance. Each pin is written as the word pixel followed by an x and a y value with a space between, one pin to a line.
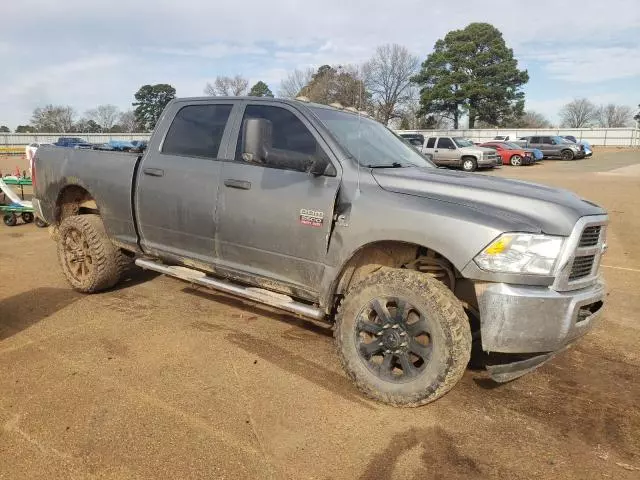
pixel 275 222
pixel 178 182
pixel 548 147
pixel 429 146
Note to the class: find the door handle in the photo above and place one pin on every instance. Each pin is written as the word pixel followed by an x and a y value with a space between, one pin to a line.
pixel 240 184
pixel 154 172
pixel 436 151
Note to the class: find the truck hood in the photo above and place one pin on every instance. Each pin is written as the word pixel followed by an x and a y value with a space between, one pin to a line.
pixel 545 209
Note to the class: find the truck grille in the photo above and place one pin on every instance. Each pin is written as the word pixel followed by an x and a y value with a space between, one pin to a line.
pixel 581 267
pixel 581 261
pixel 590 236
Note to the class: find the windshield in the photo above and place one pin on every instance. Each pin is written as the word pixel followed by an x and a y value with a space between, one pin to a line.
pixel 463 142
pixel 369 142
pixel 560 140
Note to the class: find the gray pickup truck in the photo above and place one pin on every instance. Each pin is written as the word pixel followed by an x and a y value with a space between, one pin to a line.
pixel 553 146
pixel 329 215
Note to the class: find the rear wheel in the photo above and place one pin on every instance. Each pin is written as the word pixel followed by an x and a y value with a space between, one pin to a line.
pixel 89 260
pixel 567 155
pixel 10 220
pixel 40 223
pixel 403 337
pixel 469 164
pixel 516 160
pixel 27 217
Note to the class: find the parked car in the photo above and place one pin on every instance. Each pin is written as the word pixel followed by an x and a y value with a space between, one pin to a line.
pixel 553 146
pixel 504 138
pixel 588 151
pixel 415 139
pixel 121 145
pixel 329 215
pixel 73 142
pixel 139 146
pixel 511 155
pixel 460 152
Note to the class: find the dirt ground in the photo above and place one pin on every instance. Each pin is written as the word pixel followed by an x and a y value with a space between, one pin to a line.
pixel 156 379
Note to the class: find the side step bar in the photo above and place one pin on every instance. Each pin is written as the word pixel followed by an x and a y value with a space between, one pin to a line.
pixel 260 295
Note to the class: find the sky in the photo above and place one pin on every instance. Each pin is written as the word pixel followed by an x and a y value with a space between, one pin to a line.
pixel 84 54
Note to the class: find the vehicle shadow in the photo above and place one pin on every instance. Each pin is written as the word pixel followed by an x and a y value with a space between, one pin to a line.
pixel 134 276
pixel 257 309
pixel 19 312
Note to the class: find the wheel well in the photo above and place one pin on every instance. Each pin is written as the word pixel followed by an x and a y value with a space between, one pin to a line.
pixel 74 200
pixel 472 157
pixel 394 254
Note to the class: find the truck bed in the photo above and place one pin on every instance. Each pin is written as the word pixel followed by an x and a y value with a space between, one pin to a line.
pixel 108 176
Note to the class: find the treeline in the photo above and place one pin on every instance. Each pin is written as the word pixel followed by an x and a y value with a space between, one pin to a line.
pixel 471 74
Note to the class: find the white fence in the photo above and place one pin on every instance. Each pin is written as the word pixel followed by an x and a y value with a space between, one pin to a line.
pixel 21 139
pixel 615 137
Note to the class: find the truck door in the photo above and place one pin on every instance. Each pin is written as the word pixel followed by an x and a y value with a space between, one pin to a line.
pixel 446 152
pixel 272 221
pixel 178 182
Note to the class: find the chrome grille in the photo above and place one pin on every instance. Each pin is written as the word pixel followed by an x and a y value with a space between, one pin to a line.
pixel 581 267
pixel 580 260
pixel 590 236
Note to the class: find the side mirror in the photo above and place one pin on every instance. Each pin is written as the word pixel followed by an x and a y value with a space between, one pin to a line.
pixel 452 147
pixel 322 166
pixel 257 139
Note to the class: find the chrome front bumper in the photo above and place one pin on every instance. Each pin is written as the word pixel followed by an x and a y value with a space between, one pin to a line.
pixel 529 319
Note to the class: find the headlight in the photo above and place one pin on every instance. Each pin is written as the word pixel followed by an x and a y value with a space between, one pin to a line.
pixel 521 253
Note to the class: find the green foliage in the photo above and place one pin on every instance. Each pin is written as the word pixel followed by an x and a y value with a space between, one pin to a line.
pixel 260 89
pixel 25 129
pixel 4 129
pixel 472 71
pixel 338 85
pixel 150 102
pixel 636 117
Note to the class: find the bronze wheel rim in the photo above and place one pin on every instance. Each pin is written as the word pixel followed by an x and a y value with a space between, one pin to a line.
pixel 77 255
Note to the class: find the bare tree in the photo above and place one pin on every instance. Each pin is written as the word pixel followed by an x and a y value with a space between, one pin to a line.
pixel 127 121
pixel 578 113
pixel 291 86
pixel 53 118
pixel 387 76
pixel 411 119
pixel 103 115
pixel 227 86
pixel 614 116
pixel 531 119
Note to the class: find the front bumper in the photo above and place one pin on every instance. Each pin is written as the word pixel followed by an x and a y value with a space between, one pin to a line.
pixel 530 319
pixel 490 162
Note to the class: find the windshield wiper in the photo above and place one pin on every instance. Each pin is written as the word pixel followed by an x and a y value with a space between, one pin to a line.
pixel 391 165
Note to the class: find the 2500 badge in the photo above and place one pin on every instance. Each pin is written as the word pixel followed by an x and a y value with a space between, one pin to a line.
pixel 312 218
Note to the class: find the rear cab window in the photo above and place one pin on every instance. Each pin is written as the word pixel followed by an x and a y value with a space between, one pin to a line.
pixel 196 130
pixel 431 142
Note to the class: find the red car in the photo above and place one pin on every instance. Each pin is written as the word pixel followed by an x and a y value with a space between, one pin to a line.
pixel 511 154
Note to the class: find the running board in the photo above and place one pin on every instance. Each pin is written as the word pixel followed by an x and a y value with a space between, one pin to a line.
pixel 260 295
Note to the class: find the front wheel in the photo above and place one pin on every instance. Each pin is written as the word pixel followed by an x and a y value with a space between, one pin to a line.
pixel 403 337
pixel 516 160
pixel 469 164
pixel 567 155
pixel 40 223
pixel 27 217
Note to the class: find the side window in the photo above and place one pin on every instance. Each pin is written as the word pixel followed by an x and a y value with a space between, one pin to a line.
pixel 445 142
pixel 534 140
pixel 197 131
pixel 291 146
pixel 431 142
pixel 547 141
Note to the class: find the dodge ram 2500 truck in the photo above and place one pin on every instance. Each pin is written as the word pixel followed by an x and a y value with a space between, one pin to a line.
pixel 329 215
